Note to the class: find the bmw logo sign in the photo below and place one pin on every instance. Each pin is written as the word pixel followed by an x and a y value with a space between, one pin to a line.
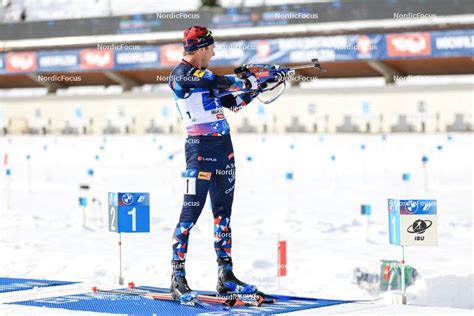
pixel 127 198
pixel 411 206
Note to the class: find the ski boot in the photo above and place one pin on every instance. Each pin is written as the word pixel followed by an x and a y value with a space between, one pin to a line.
pixel 227 283
pixel 179 285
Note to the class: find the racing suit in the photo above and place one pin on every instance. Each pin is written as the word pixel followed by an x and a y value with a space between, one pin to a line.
pixel 210 165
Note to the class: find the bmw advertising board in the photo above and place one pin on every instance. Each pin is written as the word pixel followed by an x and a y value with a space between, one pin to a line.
pixel 129 212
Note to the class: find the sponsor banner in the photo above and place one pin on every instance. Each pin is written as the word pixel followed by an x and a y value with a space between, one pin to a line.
pixel 274 51
pixel 324 47
pixel 20 62
pixel 418 207
pixel 452 43
pixel 126 199
pixel 335 48
pixel 296 50
pixel 96 59
pixel 58 60
pixel 368 46
pixel 146 57
pixel 232 53
pixel 430 44
pixel 171 55
pixel 409 44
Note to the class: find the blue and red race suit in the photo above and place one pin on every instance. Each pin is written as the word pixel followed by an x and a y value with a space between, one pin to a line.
pixel 210 165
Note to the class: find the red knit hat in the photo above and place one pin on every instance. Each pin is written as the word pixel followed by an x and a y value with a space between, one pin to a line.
pixel 196 37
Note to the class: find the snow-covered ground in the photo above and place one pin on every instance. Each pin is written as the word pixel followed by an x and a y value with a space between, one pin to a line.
pixel 41 235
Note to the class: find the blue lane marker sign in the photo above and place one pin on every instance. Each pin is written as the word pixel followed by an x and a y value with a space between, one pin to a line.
pixel 366 209
pixel 394 221
pixel 129 212
pixel 83 201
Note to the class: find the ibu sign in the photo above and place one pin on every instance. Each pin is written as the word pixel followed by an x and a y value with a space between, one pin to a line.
pixel 129 212
pixel 413 222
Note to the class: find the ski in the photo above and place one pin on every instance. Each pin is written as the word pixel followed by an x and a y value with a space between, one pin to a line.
pixel 189 300
pixel 275 297
pixel 249 299
pixel 228 299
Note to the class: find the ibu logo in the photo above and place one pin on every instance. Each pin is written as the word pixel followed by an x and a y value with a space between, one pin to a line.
pixel 419 226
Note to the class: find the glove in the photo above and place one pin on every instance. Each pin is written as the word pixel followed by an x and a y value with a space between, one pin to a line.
pixel 277 75
pixel 251 83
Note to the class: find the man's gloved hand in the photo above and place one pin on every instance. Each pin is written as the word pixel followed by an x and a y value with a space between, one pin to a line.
pixel 251 83
pixel 277 75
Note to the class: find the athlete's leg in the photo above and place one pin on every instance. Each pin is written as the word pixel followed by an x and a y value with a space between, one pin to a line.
pixel 222 197
pixel 197 179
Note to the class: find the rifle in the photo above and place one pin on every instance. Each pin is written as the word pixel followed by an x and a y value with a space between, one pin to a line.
pixel 266 73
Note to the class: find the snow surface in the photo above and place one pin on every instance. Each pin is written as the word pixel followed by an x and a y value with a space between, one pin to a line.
pixel 41 235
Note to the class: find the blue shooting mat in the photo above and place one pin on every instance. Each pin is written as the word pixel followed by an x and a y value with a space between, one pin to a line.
pixel 138 305
pixel 15 284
